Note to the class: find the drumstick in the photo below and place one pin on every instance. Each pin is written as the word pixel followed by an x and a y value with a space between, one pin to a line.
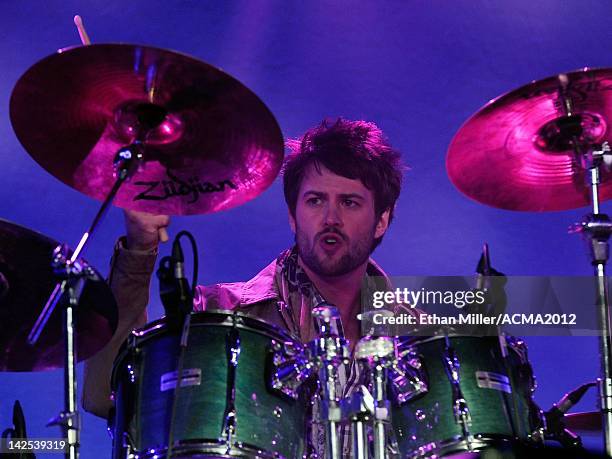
pixel 78 22
pixel 163 235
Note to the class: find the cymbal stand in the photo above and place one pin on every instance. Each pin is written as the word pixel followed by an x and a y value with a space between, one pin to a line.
pixel 73 273
pixel 328 352
pixel 378 355
pixel 358 409
pixel 596 229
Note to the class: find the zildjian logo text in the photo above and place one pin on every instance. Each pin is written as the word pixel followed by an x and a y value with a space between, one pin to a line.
pixel 165 189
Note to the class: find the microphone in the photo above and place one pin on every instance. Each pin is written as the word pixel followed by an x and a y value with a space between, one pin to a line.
pixel 184 293
pixel 570 399
pixel 18 431
pixel 19 420
pixel 491 282
pixel 555 427
pixel 174 289
pixel 483 269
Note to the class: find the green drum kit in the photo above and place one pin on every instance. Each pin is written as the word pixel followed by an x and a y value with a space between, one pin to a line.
pixel 267 422
pixel 136 126
pixel 491 378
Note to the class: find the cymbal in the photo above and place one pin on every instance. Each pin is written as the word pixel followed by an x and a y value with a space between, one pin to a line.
pixel 589 421
pixel 210 143
pixel 26 281
pixel 517 152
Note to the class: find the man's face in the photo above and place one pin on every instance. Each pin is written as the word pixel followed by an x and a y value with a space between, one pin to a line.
pixel 335 223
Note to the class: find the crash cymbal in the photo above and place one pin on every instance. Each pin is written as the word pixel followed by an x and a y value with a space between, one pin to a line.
pixel 589 421
pixel 26 281
pixel 210 143
pixel 517 152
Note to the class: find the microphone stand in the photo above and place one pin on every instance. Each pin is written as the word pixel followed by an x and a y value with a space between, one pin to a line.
pixel 177 297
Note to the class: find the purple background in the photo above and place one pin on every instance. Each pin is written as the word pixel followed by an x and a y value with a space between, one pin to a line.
pixel 417 68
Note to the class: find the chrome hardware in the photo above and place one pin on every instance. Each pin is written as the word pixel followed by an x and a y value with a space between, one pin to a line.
pixel 327 353
pixel 290 368
pixel 461 410
pixel 232 344
pixel 378 355
pixel 407 375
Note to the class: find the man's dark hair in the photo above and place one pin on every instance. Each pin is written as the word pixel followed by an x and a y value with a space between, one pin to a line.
pixel 351 149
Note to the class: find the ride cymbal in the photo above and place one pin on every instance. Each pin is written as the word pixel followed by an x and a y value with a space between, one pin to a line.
pixel 519 151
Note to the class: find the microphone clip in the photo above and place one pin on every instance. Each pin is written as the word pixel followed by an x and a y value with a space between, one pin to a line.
pixel 174 289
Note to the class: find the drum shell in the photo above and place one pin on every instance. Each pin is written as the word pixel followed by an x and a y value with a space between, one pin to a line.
pixel 267 421
pixel 427 422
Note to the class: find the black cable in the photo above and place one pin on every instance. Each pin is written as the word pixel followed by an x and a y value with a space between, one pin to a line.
pixel 194 248
pixel 179 378
pixel 182 342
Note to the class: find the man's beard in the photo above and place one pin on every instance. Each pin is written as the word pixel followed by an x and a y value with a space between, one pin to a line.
pixel 358 253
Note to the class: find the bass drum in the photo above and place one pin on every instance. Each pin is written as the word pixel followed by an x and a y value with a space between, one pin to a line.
pixel 470 393
pixel 226 405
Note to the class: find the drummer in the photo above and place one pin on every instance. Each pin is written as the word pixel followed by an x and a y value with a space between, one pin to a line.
pixel 341 180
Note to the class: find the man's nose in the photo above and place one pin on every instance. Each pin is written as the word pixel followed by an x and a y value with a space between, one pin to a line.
pixel 332 216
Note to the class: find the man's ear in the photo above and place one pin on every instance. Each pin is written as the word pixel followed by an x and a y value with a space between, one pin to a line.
pixel 291 221
pixel 382 224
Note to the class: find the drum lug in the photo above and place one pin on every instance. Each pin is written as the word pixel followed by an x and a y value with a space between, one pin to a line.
pixel 537 436
pixel 126 443
pixel 520 348
pixel 289 369
pixel 110 423
pixel 407 376
pixel 538 421
pixel 131 360
pixel 233 349
pixel 461 410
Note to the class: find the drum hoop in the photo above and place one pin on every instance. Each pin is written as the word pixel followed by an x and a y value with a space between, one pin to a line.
pixel 247 322
pixel 217 448
pixel 413 341
pixel 459 444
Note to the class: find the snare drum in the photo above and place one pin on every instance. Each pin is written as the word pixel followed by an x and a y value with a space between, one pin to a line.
pixel 474 392
pixel 266 423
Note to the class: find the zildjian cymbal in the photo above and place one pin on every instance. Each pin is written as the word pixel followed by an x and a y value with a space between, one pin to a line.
pixel 26 281
pixel 524 150
pixel 209 142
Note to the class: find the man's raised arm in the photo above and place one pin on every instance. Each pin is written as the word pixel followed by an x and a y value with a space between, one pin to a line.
pixel 131 268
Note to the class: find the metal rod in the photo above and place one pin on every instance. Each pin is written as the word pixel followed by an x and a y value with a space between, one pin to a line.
pixel 60 287
pixel 599 251
pixel 605 384
pixel 594 174
pixel 232 347
pixel 329 375
pixel 360 439
pixel 328 351
pixel 380 400
pixel 71 425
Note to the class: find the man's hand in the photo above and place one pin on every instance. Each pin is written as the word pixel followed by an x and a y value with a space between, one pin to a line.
pixel 144 230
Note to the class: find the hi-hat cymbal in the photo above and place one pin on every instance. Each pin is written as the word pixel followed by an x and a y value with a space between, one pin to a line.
pixel 517 152
pixel 26 281
pixel 211 143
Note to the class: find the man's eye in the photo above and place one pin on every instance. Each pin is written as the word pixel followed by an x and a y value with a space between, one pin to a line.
pixel 313 201
pixel 350 203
